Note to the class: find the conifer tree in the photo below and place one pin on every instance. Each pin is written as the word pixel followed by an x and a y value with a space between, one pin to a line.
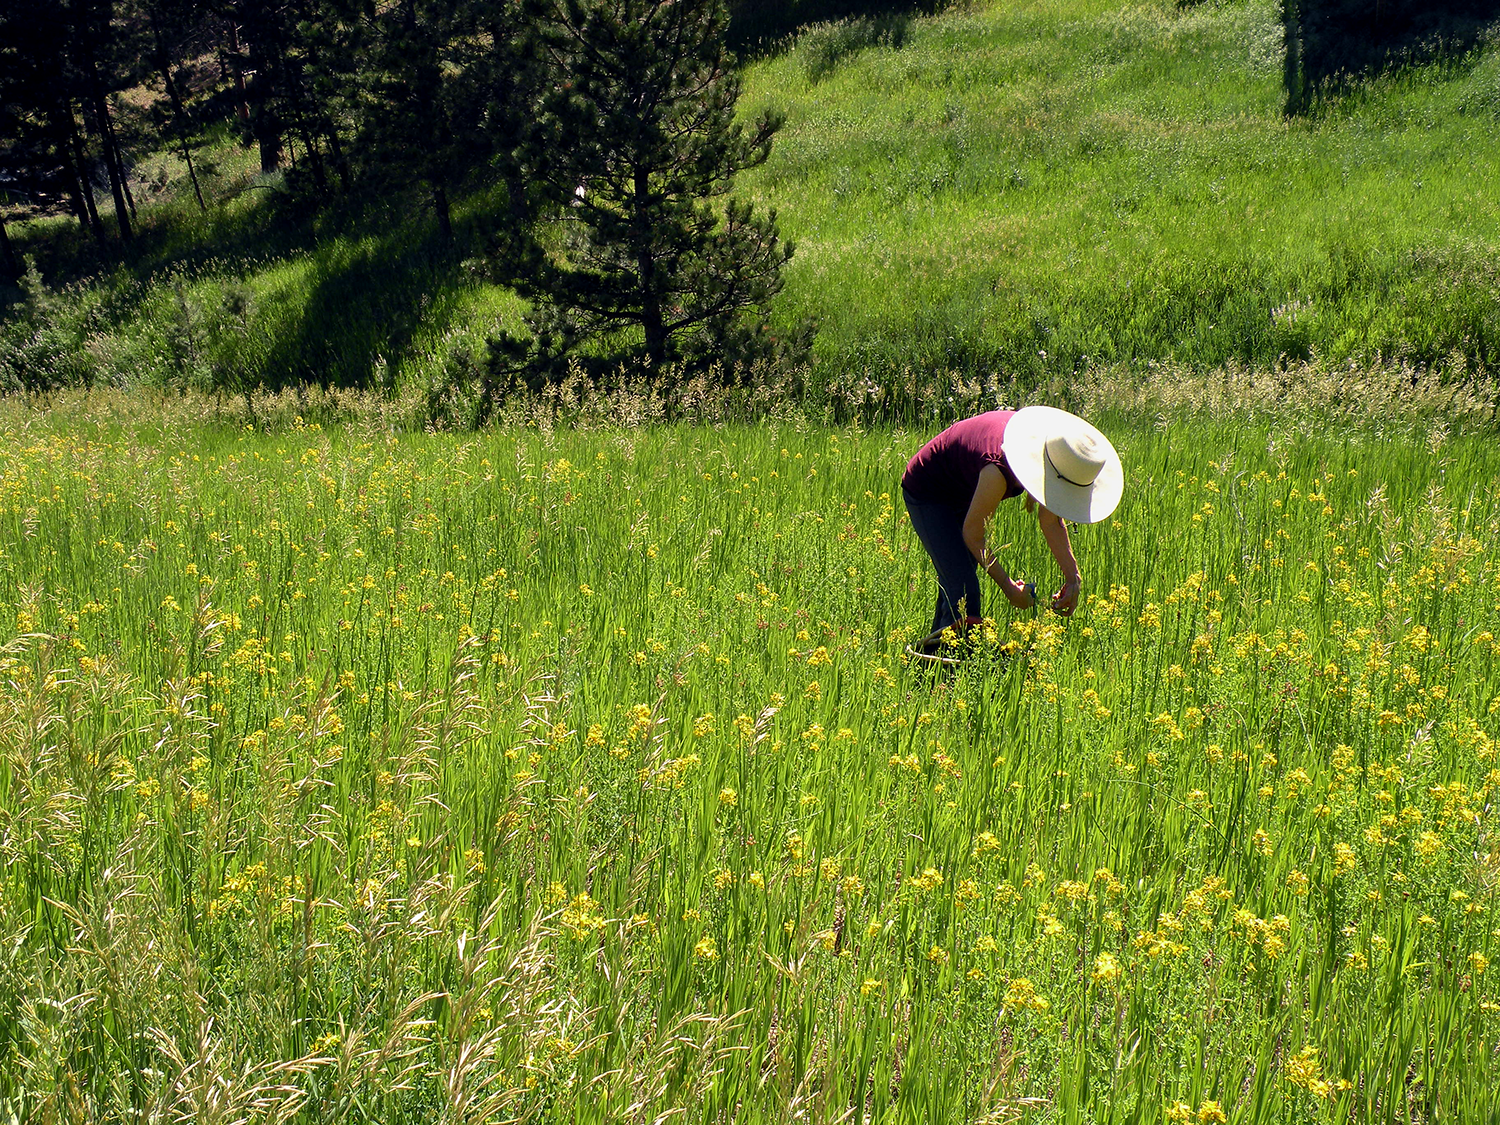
pixel 632 152
pixel 422 96
pixel 301 55
pixel 37 172
pixel 174 28
pixel 60 66
pixel 102 56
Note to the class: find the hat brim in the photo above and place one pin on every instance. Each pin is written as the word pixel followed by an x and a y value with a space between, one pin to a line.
pixel 1026 437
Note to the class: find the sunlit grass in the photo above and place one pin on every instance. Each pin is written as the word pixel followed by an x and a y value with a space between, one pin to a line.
pixel 1105 182
pixel 581 775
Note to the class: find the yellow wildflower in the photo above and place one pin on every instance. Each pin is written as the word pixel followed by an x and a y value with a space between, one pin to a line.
pixel 1106 969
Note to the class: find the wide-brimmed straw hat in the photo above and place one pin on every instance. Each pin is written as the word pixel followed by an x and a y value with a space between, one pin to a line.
pixel 1065 463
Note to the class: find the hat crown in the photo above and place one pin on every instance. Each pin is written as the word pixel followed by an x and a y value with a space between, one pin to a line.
pixel 1076 458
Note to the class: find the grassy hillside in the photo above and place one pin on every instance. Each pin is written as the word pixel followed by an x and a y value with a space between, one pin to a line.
pixel 1021 188
pixel 1101 181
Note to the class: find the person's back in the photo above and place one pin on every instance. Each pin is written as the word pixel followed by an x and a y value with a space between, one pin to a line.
pixel 947 468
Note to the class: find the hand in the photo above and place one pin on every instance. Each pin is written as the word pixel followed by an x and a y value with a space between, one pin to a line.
pixel 1021 595
pixel 1065 601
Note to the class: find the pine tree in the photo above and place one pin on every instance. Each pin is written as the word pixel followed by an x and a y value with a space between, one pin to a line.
pixel 177 29
pixel 102 56
pixel 60 66
pixel 260 32
pixel 301 55
pixel 422 105
pixel 37 173
pixel 631 239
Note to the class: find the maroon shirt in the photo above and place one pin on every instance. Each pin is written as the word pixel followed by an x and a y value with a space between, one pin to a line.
pixel 946 469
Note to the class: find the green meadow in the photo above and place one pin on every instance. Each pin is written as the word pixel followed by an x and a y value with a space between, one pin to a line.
pixel 580 775
pixel 574 769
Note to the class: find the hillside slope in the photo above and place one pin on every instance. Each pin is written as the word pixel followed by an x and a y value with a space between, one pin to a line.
pixel 1019 189
pixel 1102 181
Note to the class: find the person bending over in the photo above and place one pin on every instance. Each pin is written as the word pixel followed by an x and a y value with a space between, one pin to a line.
pixel 1064 467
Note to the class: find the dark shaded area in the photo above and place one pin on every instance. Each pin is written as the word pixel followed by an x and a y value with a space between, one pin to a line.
pixel 1332 43
pixel 759 27
pixel 363 308
pixel 266 222
pixel 363 315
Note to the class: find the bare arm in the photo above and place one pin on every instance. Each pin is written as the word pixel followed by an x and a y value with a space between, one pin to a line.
pixel 987 496
pixel 1055 532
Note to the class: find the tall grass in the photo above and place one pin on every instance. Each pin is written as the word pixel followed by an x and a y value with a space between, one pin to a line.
pixel 580 775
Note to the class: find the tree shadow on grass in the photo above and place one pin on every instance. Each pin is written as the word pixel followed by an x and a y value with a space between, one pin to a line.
pixel 261 222
pixel 759 28
pixel 371 282
pixel 363 311
pixel 1332 45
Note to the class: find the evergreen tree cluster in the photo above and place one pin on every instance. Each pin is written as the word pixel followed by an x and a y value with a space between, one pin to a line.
pixel 607 127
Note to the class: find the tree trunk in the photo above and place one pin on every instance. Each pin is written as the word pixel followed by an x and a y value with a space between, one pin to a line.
pixel 179 113
pixel 81 164
pixel 314 158
pixel 78 188
pixel 182 131
pixel 75 196
pixel 1294 73
pixel 308 123
pixel 651 316
pixel 111 162
pixel 114 149
pixel 270 150
pixel 94 30
pixel 656 335
pixel 242 103
pixel 340 160
pixel 263 121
